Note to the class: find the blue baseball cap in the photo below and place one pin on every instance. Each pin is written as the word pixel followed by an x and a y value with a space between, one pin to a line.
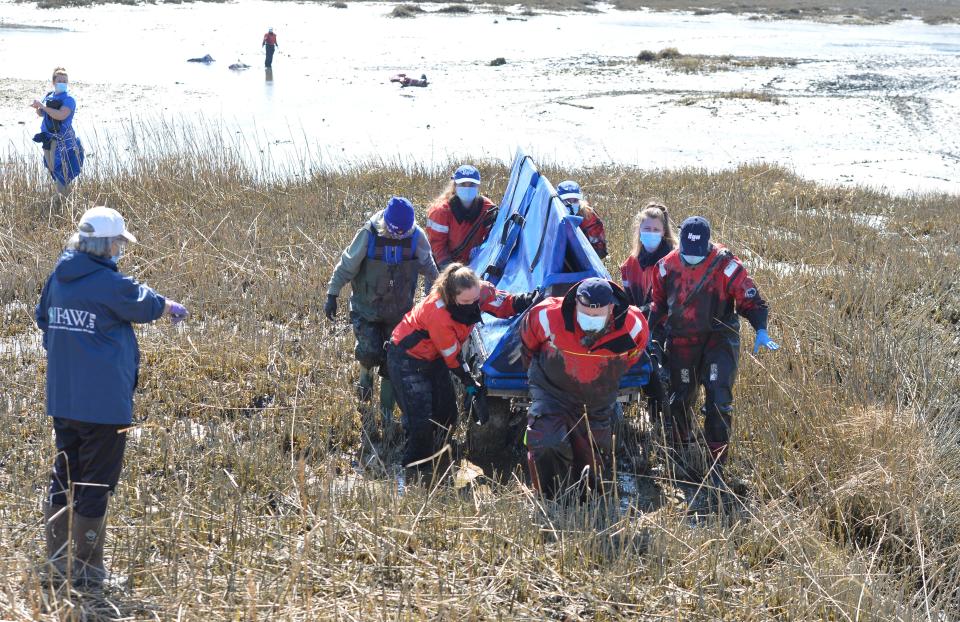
pixel 569 190
pixel 398 217
pixel 695 237
pixel 595 293
pixel 466 173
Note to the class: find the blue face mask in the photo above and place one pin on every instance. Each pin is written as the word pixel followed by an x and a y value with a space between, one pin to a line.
pixel 60 87
pixel 693 259
pixel 651 240
pixel 116 258
pixel 467 195
pixel 574 208
pixel 591 323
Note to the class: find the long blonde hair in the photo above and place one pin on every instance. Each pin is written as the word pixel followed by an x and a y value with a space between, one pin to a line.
pixel 448 193
pixel 455 279
pixel 658 211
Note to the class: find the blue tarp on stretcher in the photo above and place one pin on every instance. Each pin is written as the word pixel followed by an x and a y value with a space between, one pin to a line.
pixel 534 243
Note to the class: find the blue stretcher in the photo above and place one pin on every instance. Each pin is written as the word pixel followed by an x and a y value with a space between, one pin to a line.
pixel 534 243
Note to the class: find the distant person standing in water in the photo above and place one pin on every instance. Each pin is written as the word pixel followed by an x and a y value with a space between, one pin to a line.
pixel 62 151
pixel 270 43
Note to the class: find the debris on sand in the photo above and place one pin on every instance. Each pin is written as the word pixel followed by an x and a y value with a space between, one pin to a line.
pixel 498 62
pixel 205 59
pixel 238 66
pixel 404 80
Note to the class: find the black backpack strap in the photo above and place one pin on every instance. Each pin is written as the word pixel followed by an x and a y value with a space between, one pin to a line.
pixel 486 217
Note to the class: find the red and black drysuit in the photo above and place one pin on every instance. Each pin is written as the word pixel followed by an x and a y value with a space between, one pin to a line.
pixel 424 350
pixel 574 384
pixel 637 273
pixel 699 308
pixel 455 230
pixel 593 228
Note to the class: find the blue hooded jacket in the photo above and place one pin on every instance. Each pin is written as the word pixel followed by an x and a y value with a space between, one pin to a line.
pixel 85 312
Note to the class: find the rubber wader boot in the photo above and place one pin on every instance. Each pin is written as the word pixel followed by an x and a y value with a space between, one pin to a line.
pixel 387 402
pixel 89 536
pixel 56 521
pixel 365 385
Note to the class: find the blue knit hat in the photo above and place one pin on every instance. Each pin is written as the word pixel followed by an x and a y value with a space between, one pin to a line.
pixel 466 173
pixel 398 217
pixel 594 293
pixel 695 237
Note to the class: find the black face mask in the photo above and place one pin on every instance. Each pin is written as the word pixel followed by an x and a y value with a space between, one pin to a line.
pixel 465 314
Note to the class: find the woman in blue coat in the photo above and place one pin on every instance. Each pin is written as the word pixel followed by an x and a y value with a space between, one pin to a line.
pixel 62 151
pixel 86 312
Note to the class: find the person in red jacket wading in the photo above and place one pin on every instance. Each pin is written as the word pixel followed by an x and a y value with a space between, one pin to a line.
pixel 271 45
pixel 569 192
pixel 427 347
pixel 577 349
pixel 699 292
pixel 460 218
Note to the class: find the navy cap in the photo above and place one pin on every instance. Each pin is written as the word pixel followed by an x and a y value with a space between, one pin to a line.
pixel 595 293
pixel 695 237
pixel 398 217
pixel 466 173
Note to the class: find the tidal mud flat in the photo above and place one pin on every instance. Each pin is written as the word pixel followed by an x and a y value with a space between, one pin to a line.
pixel 867 105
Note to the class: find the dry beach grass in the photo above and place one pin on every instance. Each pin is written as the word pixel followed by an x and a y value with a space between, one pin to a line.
pixel 243 499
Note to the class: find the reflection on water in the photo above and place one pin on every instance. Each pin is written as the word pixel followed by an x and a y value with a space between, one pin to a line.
pixel 268 74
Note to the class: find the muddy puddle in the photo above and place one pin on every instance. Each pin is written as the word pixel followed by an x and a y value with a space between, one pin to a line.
pixel 873 105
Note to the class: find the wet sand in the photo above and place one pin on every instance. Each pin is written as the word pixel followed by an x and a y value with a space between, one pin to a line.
pixel 851 105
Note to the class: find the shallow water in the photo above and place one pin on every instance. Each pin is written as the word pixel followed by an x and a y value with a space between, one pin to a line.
pixel 875 105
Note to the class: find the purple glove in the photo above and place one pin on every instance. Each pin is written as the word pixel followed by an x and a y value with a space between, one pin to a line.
pixel 178 312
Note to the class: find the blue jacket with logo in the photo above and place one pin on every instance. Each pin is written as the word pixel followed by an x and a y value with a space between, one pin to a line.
pixel 86 312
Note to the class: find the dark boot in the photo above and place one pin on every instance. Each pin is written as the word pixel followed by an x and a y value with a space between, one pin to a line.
pixel 56 521
pixel 89 536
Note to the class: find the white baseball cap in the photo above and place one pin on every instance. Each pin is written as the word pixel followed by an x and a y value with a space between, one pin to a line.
pixel 103 222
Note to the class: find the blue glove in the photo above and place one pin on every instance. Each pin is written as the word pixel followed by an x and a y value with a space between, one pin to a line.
pixel 178 312
pixel 471 390
pixel 763 341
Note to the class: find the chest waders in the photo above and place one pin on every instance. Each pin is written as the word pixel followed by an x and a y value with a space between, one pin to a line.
pixel 383 293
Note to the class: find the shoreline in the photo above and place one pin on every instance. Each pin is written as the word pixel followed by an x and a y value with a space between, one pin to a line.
pixel 844 12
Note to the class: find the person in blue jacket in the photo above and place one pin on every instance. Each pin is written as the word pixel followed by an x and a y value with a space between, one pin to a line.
pixel 62 150
pixel 86 311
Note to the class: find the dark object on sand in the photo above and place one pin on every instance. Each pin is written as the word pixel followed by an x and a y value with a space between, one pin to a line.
pixel 405 81
pixel 406 11
pixel 499 61
pixel 238 66
pixel 206 60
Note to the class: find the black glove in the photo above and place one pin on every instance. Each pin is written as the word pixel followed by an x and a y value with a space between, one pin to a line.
pixel 466 378
pixel 476 404
pixel 330 309
pixel 522 302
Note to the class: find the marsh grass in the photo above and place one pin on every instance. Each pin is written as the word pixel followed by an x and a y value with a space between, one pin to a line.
pixel 672 59
pixel 250 493
pixel 759 96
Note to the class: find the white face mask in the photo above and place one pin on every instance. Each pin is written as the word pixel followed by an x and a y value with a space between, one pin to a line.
pixel 467 195
pixel 693 259
pixel 591 323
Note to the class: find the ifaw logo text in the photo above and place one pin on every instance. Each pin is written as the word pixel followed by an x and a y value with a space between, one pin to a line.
pixel 71 319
